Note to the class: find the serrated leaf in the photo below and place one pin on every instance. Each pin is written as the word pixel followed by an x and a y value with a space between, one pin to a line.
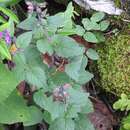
pixel 92 54
pixel 28 24
pixel 78 102
pixel 88 108
pixel 44 46
pixel 66 47
pixel 85 77
pixel 97 16
pixel 59 78
pixel 29 64
pixel 17 111
pixel 62 19
pixel 74 104
pixel 55 21
pixel 104 25
pixel 83 123
pixel 78 98
pixel 24 40
pixel 73 68
pixel 7 82
pixel 72 111
pixel 62 124
pixel 47 104
pixel 90 37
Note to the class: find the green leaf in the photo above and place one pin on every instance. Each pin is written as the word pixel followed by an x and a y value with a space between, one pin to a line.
pixel 4 26
pixel 55 21
pixel 74 67
pixel 8 2
pixel 77 102
pixel 47 117
pixel 62 20
pixel 127 126
pixel 83 123
pixel 92 54
pixel 88 108
pixel 17 111
pixel 77 97
pixel 44 46
pixel 24 40
pixel 100 37
pixel 90 37
pixel 122 104
pixel 62 124
pixel 7 83
pixel 79 30
pixel 95 26
pixel 38 33
pixel 59 78
pixel 56 79
pixel 29 64
pixel 66 31
pixel 4 50
pixel 66 47
pixel 30 23
pixel 90 25
pixel 10 14
pixel 68 14
pixel 125 123
pixel 104 25
pixel 35 116
pixel 72 111
pixel 85 77
pixel 74 104
pixel 11 27
pixel 47 104
pixel 2 20
pixel 97 16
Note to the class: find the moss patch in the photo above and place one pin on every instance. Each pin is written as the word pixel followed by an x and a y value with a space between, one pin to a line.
pixel 114 64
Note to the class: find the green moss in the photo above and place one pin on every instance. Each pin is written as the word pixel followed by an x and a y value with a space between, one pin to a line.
pixel 114 64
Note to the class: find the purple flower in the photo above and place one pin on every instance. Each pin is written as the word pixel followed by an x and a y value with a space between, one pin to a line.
pixel 7 37
pixel 1 35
